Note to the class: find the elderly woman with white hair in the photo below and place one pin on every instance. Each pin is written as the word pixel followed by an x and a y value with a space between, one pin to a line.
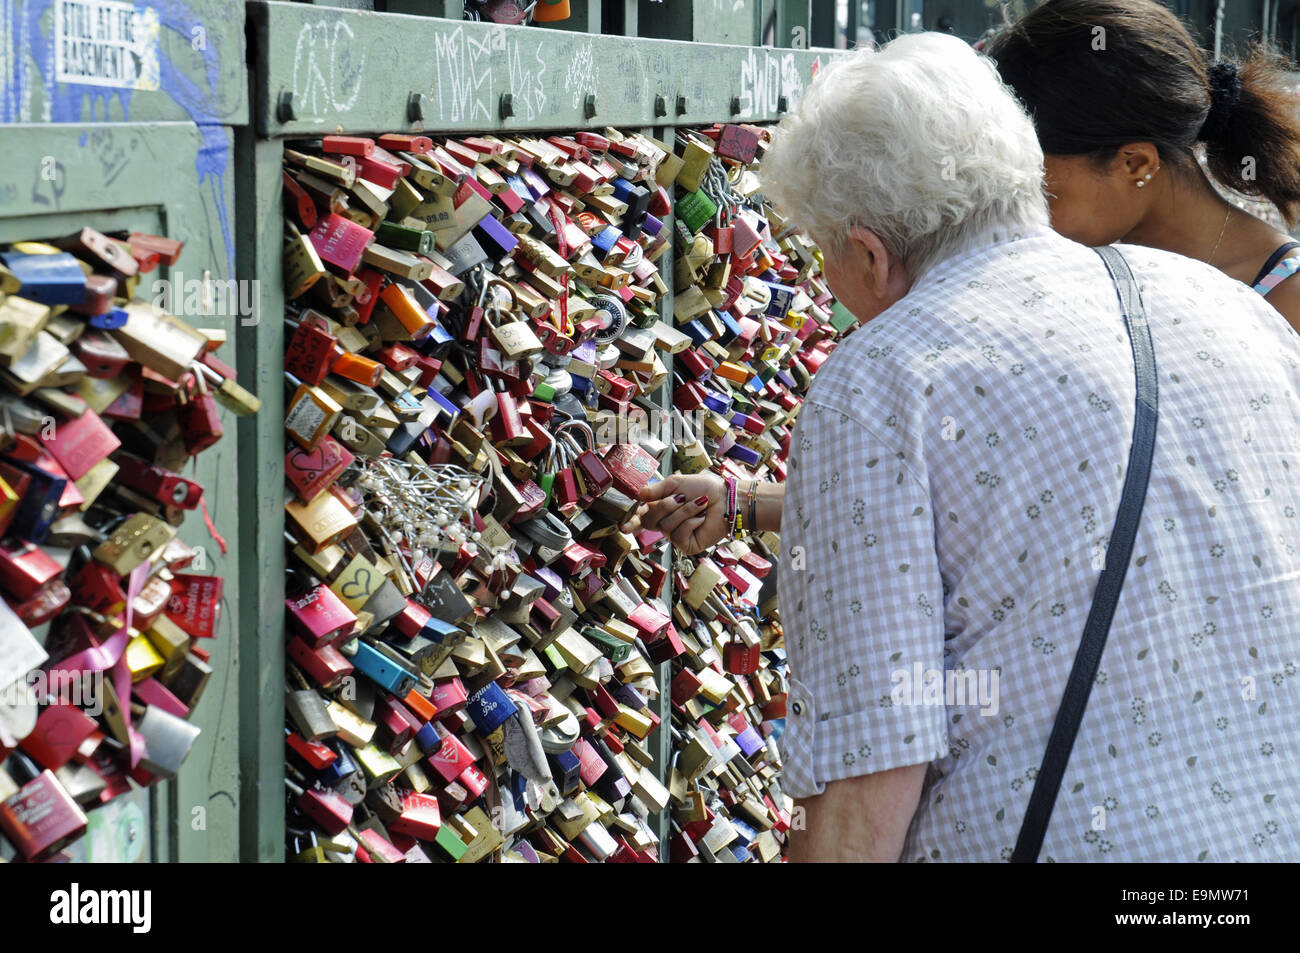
pixel 1014 456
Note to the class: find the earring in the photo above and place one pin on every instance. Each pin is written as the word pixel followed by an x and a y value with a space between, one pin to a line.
pixel 1140 183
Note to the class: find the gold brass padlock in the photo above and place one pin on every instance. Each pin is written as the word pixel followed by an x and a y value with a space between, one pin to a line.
pixel 135 541
pixel 20 321
pixel 516 339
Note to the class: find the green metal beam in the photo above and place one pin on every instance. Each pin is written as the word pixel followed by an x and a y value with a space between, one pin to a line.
pixel 355 72
pixel 261 539
pixel 823 23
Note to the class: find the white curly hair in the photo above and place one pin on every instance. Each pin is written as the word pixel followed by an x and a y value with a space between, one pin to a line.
pixel 919 141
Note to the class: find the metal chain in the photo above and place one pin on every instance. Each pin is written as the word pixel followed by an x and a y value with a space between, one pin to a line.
pixel 424 505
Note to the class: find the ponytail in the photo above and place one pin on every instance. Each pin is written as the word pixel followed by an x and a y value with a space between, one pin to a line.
pixel 1252 133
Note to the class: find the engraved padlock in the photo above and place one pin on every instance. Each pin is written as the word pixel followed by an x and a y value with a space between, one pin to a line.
pixel 515 338
pixel 309 351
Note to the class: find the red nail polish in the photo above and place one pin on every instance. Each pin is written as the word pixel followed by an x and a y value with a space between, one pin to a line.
pixel 701 501
pixel 679 498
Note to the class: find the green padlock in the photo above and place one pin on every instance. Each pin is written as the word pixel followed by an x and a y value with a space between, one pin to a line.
pixel 695 210
pixel 546 481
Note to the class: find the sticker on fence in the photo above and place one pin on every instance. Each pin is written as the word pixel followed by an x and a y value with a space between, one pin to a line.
pixel 106 43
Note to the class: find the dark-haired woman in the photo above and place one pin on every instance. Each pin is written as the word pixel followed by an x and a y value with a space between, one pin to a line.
pixel 1121 95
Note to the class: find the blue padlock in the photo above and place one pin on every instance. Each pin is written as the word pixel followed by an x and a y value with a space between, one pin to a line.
pixel 342 767
pixel 566 769
pixel 489 707
pixel 744 454
pixel 40 504
pixel 697 332
pixel 603 242
pixel 435 630
pixel 716 402
pixel 48 279
pixel 110 321
pixel 778 306
pixel 428 738
pixel 447 411
pixel 382 670
pixel 732 328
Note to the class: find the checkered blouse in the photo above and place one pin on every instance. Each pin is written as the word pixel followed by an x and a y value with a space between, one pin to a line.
pixel 954 479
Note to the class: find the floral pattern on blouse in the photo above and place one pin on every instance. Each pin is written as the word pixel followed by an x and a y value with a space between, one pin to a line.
pixel 952 486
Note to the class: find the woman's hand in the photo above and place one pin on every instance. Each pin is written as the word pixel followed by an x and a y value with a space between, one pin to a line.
pixel 687 508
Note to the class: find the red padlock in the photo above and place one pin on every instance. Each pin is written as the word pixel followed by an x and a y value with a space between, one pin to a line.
pixel 565 490
pixel 195 604
pixel 554 341
pixel 741 659
pixel 699 366
pixel 595 474
pixel 507 426
pixel 157 482
pixel 723 240
pixel 534 499
pixel 631 467
pixel 587 329
pixel 310 351
pixel 103 356
pixel 492 363
pixel 199 420
pixel 25 568
pixel 98 588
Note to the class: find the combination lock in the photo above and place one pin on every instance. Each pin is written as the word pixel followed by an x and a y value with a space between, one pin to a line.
pixel 613 315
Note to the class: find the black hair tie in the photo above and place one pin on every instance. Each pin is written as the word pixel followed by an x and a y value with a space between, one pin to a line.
pixel 1225 90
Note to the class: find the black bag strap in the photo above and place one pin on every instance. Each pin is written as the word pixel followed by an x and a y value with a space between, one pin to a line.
pixel 1111 581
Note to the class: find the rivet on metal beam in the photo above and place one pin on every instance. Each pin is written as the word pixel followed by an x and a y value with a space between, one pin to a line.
pixel 661 106
pixel 782 104
pixel 589 105
pixel 415 107
pixel 735 105
pixel 681 105
pixel 507 107
pixel 284 110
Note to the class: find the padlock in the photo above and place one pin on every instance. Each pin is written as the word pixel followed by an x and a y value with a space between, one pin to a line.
pixel 309 351
pixel 326 808
pixel 515 339
pixel 157 482
pixel 133 542
pixel 41 817
pixel 740 658
pixel 199 418
pixel 50 279
pixel 311 472
pixel 310 414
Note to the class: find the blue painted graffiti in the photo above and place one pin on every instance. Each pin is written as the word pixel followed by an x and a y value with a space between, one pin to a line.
pixel 27 44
